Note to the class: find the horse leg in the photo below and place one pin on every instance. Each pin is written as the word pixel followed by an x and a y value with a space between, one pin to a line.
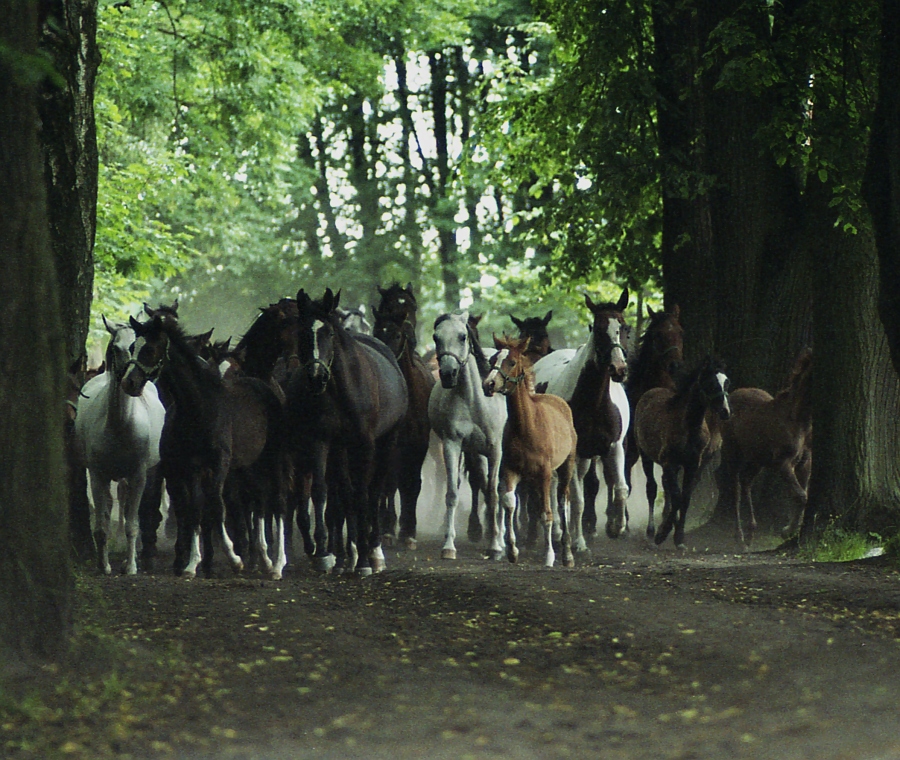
pixel 304 525
pixel 589 510
pixel 798 491
pixel 563 476
pixel 689 483
pixel 324 559
pixel 493 503
pixel 614 472
pixel 130 508
pixel 452 461
pixel 576 503
pixel 410 488
pixel 648 466
pixel 672 501
pixel 150 516
pixel 475 477
pixel 560 505
pixel 102 509
pixel 509 481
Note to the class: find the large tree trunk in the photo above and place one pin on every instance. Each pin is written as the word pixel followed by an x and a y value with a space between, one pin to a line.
pixel 856 394
pixel 69 139
pixel 36 582
pixel 882 181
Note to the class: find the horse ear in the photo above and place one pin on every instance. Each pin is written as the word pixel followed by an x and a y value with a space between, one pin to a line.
pixel 409 288
pixel 150 312
pixel 516 322
pixel 362 309
pixel 523 346
pixel 302 298
pixel 623 300
pixel 337 300
pixel 109 328
pixel 589 303
pixel 547 317
pixel 475 320
pixel 135 325
pixel 381 291
pixel 498 343
pixel 650 312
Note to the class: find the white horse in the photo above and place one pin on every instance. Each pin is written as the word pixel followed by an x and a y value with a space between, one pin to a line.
pixel 590 379
pixel 466 421
pixel 117 437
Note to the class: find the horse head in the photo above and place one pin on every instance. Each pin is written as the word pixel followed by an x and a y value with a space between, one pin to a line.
pixel 148 353
pixel 535 328
pixel 664 338
pixel 714 385
pixel 453 343
pixel 510 366
pixel 118 348
pixel 317 327
pixel 608 332
pixel 398 304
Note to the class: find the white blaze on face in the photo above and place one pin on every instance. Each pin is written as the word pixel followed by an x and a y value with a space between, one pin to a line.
pixel 135 353
pixel 614 330
pixel 722 379
pixel 498 363
pixel 315 328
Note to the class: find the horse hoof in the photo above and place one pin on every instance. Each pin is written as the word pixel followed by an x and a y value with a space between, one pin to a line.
pixel 494 554
pixel 378 566
pixel 448 553
pixel 570 562
pixel 411 544
pixel 613 530
pixel 681 547
pixel 274 576
pixel 325 564
pixel 364 572
pixel 513 556
pixel 387 540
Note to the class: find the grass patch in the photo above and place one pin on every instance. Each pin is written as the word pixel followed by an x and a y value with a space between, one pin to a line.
pixel 839 545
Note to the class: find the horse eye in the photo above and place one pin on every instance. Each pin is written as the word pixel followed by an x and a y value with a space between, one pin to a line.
pixel 462 338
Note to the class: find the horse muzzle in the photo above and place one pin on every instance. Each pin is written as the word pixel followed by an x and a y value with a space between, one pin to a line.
pixel 133 382
pixel 618 372
pixel 448 371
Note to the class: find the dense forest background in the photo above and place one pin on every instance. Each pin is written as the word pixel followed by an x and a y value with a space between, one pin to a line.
pixel 737 158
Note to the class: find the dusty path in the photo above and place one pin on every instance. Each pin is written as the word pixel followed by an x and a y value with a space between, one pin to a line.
pixel 635 653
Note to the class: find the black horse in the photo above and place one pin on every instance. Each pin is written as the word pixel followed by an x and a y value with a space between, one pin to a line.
pixel 395 325
pixel 214 432
pixel 345 404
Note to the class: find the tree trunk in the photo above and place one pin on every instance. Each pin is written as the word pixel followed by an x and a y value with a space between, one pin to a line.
pixel 36 582
pixel 69 139
pixel 882 182
pixel 444 211
pixel 856 393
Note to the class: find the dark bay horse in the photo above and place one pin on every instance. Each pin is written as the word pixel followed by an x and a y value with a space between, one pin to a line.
pixel 590 379
pixel 678 429
pixel 345 405
pixel 535 329
pixel 395 325
pixel 213 431
pixel 769 432
pixel 539 441
pixel 656 364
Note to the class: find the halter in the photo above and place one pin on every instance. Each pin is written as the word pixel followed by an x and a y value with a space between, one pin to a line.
pixel 150 372
pixel 441 354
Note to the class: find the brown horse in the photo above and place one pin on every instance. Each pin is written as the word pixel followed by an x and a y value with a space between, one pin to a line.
pixel 769 432
pixel 345 403
pixel 538 441
pixel 395 325
pixel 679 429
pixel 658 359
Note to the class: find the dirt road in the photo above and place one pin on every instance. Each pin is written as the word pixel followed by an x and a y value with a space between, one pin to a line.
pixel 635 653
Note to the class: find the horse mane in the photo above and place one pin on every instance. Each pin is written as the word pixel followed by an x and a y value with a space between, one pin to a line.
pixel 181 340
pixel 639 366
pixel 799 372
pixel 484 366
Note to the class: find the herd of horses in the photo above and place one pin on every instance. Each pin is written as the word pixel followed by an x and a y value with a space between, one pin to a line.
pixel 309 408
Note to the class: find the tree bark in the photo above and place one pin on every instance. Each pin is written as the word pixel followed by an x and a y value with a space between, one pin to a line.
pixel 36 582
pixel 856 392
pixel 69 140
pixel 881 187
